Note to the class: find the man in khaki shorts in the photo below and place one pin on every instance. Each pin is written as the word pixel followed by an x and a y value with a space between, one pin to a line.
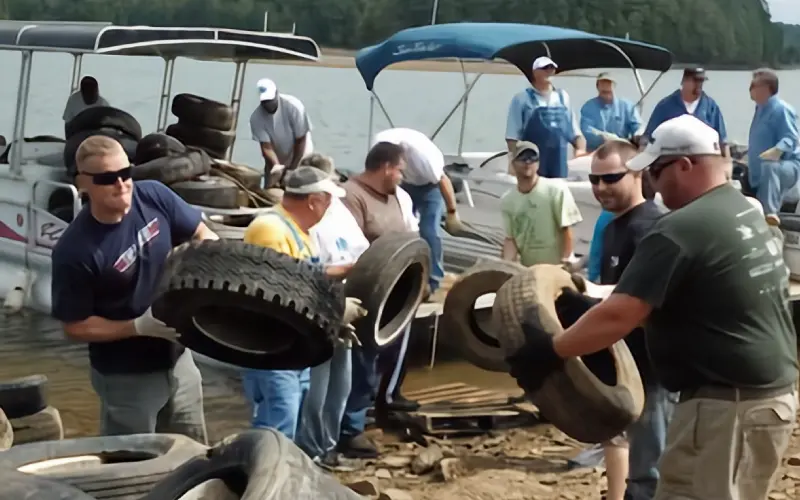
pixel 711 287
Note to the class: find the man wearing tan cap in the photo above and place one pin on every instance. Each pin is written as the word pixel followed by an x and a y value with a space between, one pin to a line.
pixel 607 116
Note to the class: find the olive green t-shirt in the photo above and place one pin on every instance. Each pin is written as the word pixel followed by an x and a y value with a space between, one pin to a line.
pixel 714 274
pixel 536 220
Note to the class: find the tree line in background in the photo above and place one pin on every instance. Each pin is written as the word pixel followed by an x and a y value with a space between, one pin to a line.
pixel 709 32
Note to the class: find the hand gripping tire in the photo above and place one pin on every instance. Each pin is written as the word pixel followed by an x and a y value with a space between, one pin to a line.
pixel 390 279
pixel 574 399
pixel 258 464
pixel 250 306
pixel 19 486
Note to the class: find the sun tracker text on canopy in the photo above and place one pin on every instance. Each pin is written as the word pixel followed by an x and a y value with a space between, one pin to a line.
pixel 519 44
pixel 167 42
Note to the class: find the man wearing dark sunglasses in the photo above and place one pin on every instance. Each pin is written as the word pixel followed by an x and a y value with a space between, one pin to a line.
pixel 710 286
pixel 538 215
pixel 106 267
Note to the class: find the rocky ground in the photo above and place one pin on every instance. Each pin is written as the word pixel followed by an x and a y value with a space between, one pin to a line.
pixel 519 464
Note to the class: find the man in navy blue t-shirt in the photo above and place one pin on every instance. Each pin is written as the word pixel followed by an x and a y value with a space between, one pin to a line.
pixel 106 267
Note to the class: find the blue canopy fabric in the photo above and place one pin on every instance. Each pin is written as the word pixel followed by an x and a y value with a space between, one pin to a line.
pixel 519 44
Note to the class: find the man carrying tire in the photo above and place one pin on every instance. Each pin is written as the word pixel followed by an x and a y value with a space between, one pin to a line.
pixel 281 126
pixel 276 396
pixel 106 268
pixel 711 287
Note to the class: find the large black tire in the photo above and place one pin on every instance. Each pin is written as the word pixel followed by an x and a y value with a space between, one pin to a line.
pixel 390 279
pixel 250 306
pixel 23 396
pixel 127 141
pixel 172 169
pixel 202 112
pixel 214 142
pixel 19 486
pixel 208 191
pixel 45 425
pixel 461 254
pixel 485 233
pixel 6 432
pixel 474 339
pixel 118 467
pixel 255 465
pixel 157 145
pixel 580 399
pixel 103 117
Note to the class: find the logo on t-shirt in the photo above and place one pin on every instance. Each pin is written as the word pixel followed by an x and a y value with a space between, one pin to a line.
pixel 143 238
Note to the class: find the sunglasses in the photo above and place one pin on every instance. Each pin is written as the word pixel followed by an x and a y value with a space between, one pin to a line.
pixel 528 157
pixel 110 178
pixel 607 179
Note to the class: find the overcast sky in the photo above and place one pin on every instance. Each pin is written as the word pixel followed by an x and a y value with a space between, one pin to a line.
pixel 785 11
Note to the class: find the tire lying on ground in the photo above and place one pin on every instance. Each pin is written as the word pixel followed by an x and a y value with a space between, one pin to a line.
pixel 250 306
pixel 157 145
pixel 255 465
pixel 103 117
pixel 472 336
pixel 176 168
pixel 18 486
pixel 6 432
pixel 207 191
pixel 45 425
pixel 23 396
pixel 581 399
pixel 127 141
pixel 249 178
pixel 390 279
pixel 202 112
pixel 118 467
pixel 462 253
pixel 214 142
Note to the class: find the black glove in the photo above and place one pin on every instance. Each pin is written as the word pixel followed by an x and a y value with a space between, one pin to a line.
pixel 571 305
pixel 537 358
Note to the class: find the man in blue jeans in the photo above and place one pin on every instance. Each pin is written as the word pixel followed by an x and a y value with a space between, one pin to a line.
pixel 430 190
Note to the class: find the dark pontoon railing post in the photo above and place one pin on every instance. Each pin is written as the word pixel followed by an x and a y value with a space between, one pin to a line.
pixel 166 93
pixel 22 109
pixel 77 65
pixel 236 98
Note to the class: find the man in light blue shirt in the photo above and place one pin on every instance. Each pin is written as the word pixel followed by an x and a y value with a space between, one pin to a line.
pixel 542 114
pixel 773 156
pixel 607 113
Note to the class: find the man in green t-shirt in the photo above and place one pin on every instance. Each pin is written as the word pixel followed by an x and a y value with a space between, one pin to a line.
pixel 538 214
pixel 711 287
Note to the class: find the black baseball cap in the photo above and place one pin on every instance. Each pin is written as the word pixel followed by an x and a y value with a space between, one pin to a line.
pixel 695 73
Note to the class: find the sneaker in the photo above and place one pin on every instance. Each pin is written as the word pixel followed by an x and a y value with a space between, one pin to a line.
pixel 359 446
pixel 332 461
pixel 400 403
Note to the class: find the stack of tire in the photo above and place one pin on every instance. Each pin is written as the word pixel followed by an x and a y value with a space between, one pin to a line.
pixel 100 120
pixel 25 416
pixel 203 123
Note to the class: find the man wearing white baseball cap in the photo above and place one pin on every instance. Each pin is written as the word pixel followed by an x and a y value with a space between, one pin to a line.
pixel 281 126
pixel 543 115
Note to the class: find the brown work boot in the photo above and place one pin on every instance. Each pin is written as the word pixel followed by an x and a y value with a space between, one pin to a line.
pixel 359 446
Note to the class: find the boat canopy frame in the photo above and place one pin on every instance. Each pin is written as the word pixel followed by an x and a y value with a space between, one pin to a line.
pixel 517 44
pixel 169 43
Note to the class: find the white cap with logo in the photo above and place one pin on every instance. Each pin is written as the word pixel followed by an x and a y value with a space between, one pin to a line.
pixel 267 90
pixel 681 136
pixel 543 62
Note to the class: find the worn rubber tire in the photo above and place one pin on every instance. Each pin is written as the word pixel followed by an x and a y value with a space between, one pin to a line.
pixel 24 396
pixel 103 117
pixel 45 425
pixel 389 278
pixel 172 169
pixel 255 465
pixel 250 306
pixel 202 112
pixel 461 254
pixel 127 141
pixel 19 486
pixel 207 138
pixel 249 178
pixel 476 345
pixel 6 432
pixel 207 191
pixel 157 145
pixel 573 399
pixel 483 233
pixel 128 472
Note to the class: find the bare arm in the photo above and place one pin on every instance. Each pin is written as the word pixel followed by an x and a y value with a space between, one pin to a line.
pixel 269 155
pixel 338 272
pixel 446 187
pixel 299 149
pixel 509 251
pixel 579 144
pixel 568 245
pixel 97 329
pixel 204 233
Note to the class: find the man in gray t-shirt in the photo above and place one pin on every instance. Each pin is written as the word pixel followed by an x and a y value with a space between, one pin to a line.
pixel 281 126
pixel 86 97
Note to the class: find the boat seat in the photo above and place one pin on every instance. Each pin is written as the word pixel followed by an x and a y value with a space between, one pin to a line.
pixel 456 172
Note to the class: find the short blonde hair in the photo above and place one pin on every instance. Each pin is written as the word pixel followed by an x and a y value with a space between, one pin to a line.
pixel 97 146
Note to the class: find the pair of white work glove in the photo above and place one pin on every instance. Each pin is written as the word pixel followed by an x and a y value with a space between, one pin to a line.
pixel 353 310
pixel 453 224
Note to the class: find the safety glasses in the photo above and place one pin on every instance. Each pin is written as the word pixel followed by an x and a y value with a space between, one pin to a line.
pixel 662 164
pixel 606 178
pixel 109 178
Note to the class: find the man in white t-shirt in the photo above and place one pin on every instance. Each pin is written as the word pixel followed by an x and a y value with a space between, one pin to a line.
pixel 88 96
pixel 281 126
pixel 430 190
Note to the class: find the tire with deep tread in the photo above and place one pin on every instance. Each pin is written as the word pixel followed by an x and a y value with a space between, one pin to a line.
pixel 207 191
pixel 45 425
pixel 474 339
pixel 99 117
pixel 157 145
pixel 250 306
pixel 255 465
pixel 24 396
pixel 129 466
pixel 202 112
pixel 389 278
pixel 19 486
pixel 215 142
pixel 573 399
pixel 172 169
